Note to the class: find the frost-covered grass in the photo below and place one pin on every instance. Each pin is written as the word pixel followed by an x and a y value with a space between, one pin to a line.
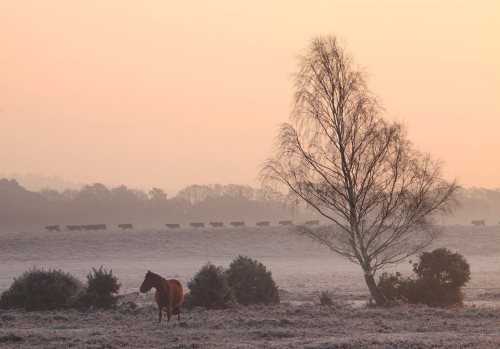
pixel 301 268
pixel 282 326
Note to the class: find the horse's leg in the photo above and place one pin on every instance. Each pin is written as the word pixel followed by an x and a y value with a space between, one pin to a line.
pixel 169 312
pixel 158 303
pixel 177 310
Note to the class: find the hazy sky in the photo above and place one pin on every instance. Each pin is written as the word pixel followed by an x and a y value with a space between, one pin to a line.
pixel 171 93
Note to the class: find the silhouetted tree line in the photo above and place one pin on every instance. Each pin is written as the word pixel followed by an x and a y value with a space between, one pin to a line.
pixel 477 204
pixel 21 209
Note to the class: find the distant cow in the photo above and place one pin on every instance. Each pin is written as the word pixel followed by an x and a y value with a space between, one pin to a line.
pixel 95 227
pixel 52 227
pixel 313 222
pixel 238 224
pixel 217 224
pixel 198 225
pixel 263 224
pixel 285 223
pixel 481 222
pixel 126 226
pixel 172 226
pixel 74 227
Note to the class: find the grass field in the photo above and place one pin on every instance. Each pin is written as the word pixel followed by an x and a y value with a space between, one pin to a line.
pixel 301 268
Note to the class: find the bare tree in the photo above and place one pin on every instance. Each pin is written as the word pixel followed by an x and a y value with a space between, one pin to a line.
pixel 357 170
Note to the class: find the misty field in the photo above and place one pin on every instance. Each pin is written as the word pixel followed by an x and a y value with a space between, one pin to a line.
pixel 301 268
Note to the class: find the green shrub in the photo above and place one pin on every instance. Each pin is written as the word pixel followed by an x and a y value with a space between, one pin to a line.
pixel 39 289
pixel 209 288
pixel 440 274
pixel 444 267
pixel 251 282
pixel 394 286
pixel 102 286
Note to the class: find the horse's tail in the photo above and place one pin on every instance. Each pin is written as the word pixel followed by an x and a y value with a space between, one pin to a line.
pixel 177 310
pixel 180 294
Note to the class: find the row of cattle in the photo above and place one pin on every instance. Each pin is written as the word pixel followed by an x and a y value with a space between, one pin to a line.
pixel 238 224
pixel 480 223
pixel 125 226
pixel 87 227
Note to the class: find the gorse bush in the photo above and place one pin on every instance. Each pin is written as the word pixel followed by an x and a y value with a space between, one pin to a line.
pixel 209 288
pixel 102 286
pixel 440 274
pixel 394 286
pixel 39 289
pixel 251 282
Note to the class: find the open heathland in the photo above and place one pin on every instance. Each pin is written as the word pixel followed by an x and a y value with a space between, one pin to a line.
pixel 302 270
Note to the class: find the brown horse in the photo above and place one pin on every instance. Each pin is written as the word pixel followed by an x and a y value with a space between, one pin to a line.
pixel 169 294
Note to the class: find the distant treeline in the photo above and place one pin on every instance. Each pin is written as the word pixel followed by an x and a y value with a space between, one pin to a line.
pixel 477 204
pixel 21 209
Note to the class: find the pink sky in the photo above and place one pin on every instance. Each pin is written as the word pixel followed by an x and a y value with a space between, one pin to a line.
pixel 157 93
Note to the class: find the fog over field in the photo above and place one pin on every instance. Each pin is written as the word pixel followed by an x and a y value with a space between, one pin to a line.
pixel 299 265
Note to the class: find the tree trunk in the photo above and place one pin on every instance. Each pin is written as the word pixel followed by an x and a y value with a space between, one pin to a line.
pixel 378 297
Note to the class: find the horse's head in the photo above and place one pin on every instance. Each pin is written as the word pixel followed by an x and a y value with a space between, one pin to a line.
pixel 148 282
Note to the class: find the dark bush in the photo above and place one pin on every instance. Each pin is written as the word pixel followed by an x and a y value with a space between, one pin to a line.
pixel 251 282
pixel 395 286
pixel 209 288
pixel 325 298
pixel 39 289
pixel 444 267
pixel 440 274
pixel 102 286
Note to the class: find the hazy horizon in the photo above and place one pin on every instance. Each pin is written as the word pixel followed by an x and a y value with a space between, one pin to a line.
pixel 170 94
pixel 36 182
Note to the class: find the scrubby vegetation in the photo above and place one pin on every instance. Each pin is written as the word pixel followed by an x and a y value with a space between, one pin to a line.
pixel 251 282
pixel 439 276
pixel 209 288
pixel 102 286
pixel 325 298
pixel 39 289
pixel 246 282
pixel 394 286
